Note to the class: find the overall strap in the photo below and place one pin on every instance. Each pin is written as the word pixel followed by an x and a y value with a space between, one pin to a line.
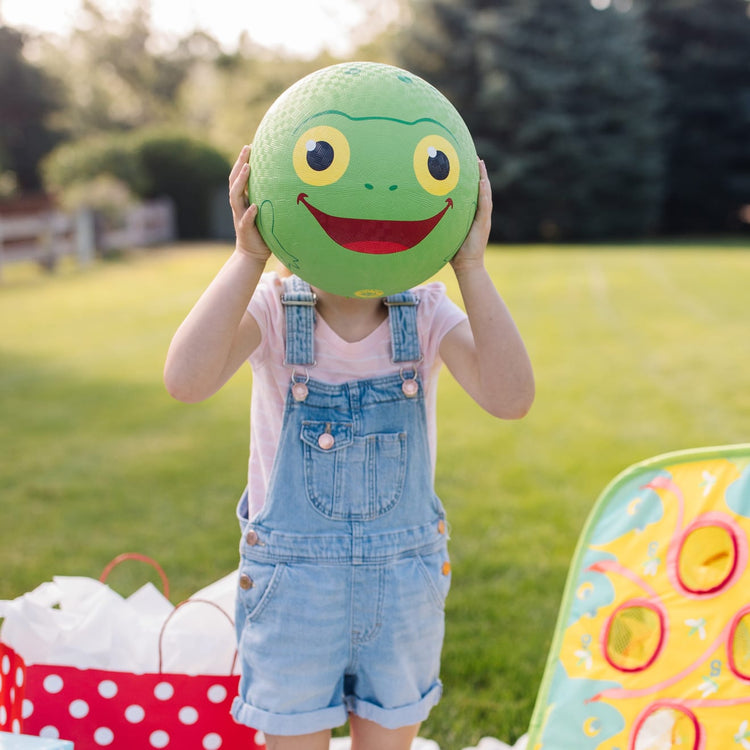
pixel 299 307
pixel 299 310
pixel 402 318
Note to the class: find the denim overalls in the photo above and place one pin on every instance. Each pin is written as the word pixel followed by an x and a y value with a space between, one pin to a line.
pixel 344 572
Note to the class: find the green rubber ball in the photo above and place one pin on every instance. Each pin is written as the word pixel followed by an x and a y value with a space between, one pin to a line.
pixel 366 179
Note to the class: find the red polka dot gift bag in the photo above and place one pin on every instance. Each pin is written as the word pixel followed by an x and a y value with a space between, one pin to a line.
pixel 122 709
pixel 103 709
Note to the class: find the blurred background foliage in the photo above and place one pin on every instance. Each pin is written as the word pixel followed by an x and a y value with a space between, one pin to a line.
pixel 598 119
pixel 147 162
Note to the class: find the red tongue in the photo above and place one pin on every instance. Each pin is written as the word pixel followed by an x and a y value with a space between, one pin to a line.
pixel 374 236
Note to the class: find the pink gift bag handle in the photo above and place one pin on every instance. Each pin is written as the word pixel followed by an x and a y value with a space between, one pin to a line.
pixel 171 614
pixel 140 558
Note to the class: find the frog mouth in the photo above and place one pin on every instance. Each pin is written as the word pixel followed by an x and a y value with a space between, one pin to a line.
pixel 374 236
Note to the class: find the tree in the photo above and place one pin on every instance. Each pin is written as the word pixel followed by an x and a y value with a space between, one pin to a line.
pixel 114 74
pixel 28 97
pixel 700 50
pixel 224 98
pixel 561 106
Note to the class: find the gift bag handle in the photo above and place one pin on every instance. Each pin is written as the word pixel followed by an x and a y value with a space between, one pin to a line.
pixel 140 558
pixel 171 614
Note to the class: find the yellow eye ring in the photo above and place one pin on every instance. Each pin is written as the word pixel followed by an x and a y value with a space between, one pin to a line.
pixel 436 165
pixel 321 155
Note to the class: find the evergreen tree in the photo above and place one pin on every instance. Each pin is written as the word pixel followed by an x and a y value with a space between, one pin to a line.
pixel 561 106
pixel 438 43
pixel 27 98
pixel 700 49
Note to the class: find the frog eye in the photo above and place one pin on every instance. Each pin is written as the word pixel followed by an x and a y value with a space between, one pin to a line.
pixel 436 165
pixel 321 155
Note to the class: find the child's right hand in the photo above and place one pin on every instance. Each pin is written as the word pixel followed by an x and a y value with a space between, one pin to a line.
pixel 471 252
pixel 249 240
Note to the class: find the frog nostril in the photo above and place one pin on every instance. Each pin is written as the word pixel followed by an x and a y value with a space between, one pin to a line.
pixel 393 187
pixel 368 186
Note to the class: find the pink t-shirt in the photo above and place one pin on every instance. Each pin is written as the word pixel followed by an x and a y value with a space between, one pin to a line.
pixel 337 361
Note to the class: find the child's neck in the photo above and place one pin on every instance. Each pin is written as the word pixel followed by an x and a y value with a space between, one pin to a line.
pixel 350 319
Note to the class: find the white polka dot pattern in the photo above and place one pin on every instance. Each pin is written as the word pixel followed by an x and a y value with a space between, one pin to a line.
pixel 188 715
pixel 121 711
pixel 107 689
pixel 158 739
pixel 163 691
pixel 78 709
pixel 104 736
pixel 53 684
pixel 135 714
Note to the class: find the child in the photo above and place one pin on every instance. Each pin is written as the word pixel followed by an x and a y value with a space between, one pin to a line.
pixel 344 566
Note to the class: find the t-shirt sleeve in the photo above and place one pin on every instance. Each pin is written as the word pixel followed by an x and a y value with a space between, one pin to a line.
pixel 265 306
pixel 437 314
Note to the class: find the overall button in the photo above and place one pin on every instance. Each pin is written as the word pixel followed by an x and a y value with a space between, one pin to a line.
pixel 410 388
pixel 252 537
pixel 441 526
pixel 246 582
pixel 326 441
pixel 299 391
pixel 446 568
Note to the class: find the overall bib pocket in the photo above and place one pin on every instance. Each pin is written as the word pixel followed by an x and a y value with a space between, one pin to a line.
pixel 352 477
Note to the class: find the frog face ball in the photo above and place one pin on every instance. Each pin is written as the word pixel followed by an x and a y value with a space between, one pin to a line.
pixel 366 179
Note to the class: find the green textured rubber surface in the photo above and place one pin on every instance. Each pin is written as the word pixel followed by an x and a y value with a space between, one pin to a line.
pixel 366 178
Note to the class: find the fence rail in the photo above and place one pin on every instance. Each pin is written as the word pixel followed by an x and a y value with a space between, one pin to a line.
pixel 46 236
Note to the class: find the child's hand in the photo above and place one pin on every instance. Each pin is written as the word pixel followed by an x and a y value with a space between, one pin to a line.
pixel 471 252
pixel 249 240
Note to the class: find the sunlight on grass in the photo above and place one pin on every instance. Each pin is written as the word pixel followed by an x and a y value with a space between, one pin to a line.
pixel 637 351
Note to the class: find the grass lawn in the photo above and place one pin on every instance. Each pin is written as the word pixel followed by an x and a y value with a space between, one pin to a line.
pixel 637 350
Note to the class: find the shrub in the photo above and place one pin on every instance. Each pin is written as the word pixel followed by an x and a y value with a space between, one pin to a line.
pixel 112 155
pixel 151 164
pixel 188 171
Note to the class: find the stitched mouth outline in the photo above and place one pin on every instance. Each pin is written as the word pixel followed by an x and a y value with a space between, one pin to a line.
pixel 374 236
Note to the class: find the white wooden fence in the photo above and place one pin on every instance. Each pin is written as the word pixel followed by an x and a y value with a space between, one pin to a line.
pixel 47 236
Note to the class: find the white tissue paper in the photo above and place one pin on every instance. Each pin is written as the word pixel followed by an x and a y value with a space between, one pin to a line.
pixel 81 622
pixel 490 743
pixel 420 743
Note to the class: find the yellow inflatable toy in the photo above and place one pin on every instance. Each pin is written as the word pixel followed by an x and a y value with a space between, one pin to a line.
pixel 652 644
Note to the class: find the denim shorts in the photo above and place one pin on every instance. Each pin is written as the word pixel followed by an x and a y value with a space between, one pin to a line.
pixel 318 641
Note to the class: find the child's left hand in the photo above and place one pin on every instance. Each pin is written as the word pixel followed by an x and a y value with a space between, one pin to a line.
pixel 486 353
pixel 471 252
pixel 249 240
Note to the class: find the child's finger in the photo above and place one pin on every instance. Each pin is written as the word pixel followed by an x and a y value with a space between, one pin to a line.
pixel 485 190
pixel 484 199
pixel 247 220
pixel 242 159
pixel 237 196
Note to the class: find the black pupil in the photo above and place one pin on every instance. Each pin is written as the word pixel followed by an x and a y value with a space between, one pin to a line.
pixel 438 165
pixel 320 157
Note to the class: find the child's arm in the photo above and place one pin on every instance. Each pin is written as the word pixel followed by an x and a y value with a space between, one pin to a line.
pixel 486 354
pixel 218 334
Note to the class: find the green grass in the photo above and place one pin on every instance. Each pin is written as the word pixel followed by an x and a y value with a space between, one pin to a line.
pixel 637 350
